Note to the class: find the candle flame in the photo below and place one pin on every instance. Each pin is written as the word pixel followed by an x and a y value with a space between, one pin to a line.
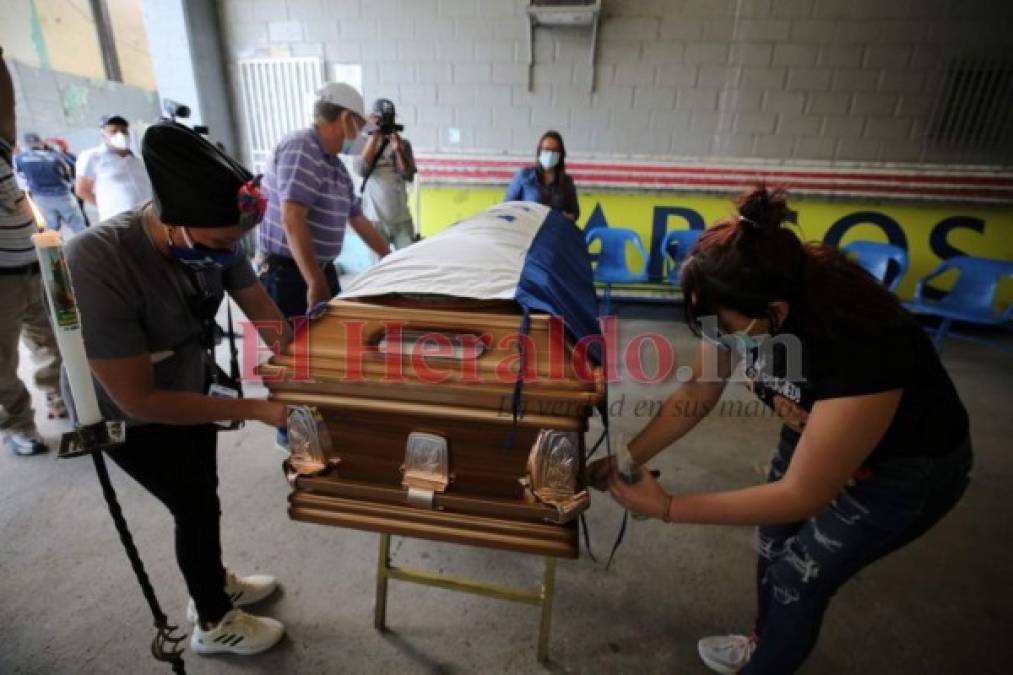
pixel 40 220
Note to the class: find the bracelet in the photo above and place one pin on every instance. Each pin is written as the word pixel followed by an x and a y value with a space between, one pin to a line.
pixel 666 514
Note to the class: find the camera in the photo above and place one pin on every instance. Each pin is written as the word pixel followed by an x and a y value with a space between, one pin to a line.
pixel 174 109
pixel 385 109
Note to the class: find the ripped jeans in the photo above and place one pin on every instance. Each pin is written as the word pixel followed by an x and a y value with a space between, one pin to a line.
pixel 801 565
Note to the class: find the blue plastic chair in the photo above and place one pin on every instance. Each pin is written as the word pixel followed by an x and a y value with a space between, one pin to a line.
pixel 675 247
pixel 971 297
pixel 876 258
pixel 611 268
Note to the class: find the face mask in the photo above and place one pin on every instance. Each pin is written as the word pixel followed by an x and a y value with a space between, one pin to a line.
pixel 741 340
pixel 353 146
pixel 548 159
pixel 119 141
pixel 199 257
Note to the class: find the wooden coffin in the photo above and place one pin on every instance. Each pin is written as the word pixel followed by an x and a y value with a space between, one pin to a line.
pixel 373 390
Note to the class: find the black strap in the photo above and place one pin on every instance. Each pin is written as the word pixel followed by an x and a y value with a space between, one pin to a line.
pixel 237 381
pixel 163 646
pixel 604 412
pixel 597 445
pixel 582 524
pixel 619 539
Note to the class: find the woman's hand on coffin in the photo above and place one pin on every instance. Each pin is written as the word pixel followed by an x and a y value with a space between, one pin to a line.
pixel 597 473
pixel 272 413
pixel 646 496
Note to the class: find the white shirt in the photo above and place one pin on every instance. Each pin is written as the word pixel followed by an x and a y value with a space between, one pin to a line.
pixel 385 197
pixel 121 183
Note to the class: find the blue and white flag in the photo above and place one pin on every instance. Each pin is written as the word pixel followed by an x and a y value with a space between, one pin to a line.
pixel 518 251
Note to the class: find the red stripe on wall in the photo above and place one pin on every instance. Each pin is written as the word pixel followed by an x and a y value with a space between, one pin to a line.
pixel 919 184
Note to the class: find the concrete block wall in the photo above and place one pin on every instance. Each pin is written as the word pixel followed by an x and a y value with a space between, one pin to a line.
pixel 819 80
pixel 52 103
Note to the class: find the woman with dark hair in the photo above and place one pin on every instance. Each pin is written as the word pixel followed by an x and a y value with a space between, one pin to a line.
pixel 547 181
pixel 874 449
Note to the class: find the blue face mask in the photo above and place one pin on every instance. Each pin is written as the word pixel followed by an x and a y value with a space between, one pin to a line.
pixel 548 159
pixel 354 145
pixel 201 258
pixel 740 340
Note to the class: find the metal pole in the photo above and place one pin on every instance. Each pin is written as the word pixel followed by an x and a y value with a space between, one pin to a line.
pixel 548 593
pixel 382 570
pixel 104 28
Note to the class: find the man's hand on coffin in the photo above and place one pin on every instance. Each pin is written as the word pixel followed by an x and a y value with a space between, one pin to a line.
pixel 646 496
pixel 597 472
pixel 317 293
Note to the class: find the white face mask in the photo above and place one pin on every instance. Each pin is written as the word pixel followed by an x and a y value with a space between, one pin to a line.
pixel 119 141
pixel 548 159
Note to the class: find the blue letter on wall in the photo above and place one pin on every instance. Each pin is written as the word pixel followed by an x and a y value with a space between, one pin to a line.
pixel 937 240
pixel 894 234
pixel 656 264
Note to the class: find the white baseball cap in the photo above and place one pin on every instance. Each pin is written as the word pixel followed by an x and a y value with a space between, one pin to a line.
pixel 344 95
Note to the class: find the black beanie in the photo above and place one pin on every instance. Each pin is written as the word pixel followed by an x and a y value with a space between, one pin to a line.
pixel 195 184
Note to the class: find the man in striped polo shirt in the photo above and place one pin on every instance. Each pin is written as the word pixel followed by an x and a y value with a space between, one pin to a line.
pixel 311 200
pixel 22 309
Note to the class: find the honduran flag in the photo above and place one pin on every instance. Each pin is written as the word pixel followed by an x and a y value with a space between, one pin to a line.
pixel 518 251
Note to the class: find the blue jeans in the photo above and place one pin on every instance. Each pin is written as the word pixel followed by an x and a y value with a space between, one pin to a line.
pixel 801 565
pixel 284 283
pixel 60 210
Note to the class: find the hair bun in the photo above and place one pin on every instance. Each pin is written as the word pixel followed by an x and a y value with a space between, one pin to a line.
pixel 762 209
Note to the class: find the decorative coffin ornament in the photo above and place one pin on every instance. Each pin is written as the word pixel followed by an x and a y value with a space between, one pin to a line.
pixel 553 467
pixel 309 443
pixel 426 467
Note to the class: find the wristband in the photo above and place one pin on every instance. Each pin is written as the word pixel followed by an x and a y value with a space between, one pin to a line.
pixel 665 516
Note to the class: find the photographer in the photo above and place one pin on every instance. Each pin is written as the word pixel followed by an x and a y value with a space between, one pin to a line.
pixel 385 193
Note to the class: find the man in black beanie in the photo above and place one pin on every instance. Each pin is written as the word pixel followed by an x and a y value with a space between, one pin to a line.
pixel 149 282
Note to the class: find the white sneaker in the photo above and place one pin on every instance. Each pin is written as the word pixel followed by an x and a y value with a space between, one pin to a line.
pixel 237 633
pixel 242 591
pixel 727 654
pixel 24 442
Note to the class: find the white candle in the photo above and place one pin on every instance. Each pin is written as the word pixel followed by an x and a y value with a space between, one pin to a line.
pixel 66 321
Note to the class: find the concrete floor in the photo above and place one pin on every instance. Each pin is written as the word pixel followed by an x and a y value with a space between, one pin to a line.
pixel 69 603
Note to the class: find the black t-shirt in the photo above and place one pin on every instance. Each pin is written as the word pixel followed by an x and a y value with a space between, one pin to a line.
pixel 930 420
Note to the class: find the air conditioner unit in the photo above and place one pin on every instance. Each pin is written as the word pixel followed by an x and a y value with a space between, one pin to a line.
pixel 563 14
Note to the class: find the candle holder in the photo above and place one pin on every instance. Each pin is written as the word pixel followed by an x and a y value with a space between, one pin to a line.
pixel 88 438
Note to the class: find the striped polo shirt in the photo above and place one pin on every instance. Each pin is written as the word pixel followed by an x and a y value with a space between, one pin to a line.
pixel 16 227
pixel 301 170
